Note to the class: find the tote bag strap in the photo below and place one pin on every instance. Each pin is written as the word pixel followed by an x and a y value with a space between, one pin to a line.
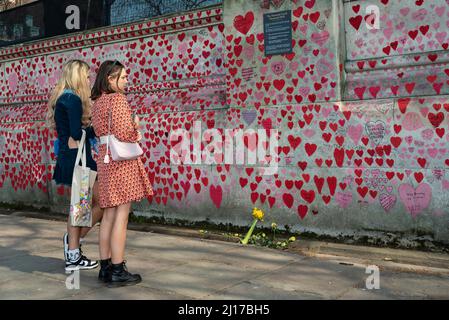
pixel 81 151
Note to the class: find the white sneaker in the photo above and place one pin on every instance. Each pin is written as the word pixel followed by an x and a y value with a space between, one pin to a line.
pixel 65 240
pixel 83 263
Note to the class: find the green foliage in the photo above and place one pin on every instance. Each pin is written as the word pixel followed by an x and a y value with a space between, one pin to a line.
pixel 261 239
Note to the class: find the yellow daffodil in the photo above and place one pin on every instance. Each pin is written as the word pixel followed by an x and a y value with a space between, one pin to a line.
pixel 291 239
pixel 257 215
pixel 274 225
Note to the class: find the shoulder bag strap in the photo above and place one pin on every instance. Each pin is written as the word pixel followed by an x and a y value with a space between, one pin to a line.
pixel 106 156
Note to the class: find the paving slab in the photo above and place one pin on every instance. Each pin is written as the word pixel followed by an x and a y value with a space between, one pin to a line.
pixel 178 267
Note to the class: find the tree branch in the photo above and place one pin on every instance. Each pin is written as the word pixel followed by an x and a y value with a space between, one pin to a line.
pixel 156 6
pixel 193 4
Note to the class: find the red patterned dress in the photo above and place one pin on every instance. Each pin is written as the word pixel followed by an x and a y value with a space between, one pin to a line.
pixel 120 181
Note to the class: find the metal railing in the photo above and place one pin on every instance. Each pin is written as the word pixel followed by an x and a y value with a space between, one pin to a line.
pixel 49 18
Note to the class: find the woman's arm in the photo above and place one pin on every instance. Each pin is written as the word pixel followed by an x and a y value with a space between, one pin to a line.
pixel 122 126
pixel 90 132
pixel 74 109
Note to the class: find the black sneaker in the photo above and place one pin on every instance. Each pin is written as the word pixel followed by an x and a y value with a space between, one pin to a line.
pixel 83 263
pixel 121 277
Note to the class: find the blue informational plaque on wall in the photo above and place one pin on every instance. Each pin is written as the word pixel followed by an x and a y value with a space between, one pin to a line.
pixel 277 27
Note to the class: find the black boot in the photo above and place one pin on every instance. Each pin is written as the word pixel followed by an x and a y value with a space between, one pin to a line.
pixel 121 277
pixel 105 271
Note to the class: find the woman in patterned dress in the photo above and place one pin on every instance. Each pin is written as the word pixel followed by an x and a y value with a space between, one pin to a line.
pixel 121 182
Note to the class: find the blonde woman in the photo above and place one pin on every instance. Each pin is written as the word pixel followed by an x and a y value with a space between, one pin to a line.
pixel 121 182
pixel 69 111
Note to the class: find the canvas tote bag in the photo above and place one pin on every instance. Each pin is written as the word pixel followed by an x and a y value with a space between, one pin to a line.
pixel 82 189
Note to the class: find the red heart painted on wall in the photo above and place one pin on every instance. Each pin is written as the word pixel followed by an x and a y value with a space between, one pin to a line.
pixel 418 176
pixel 440 132
pixel 310 148
pixel 356 21
pixel 362 191
pixel 315 16
pixel 319 182
pixel 298 12
pixel 244 23
pixel 332 183
pixel 422 162
pixel 339 155
pixel 308 195
pixel 403 103
pixel 435 118
pixel 288 199
pixel 309 4
pixel 302 211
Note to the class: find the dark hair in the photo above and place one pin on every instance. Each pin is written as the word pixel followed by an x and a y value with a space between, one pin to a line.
pixel 101 85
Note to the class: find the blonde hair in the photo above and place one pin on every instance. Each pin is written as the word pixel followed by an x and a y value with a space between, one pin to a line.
pixel 75 76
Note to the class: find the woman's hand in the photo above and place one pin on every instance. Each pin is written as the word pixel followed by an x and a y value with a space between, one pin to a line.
pixel 73 144
pixel 136 122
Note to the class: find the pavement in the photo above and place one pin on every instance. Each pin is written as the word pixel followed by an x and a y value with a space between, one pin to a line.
pixel 181 264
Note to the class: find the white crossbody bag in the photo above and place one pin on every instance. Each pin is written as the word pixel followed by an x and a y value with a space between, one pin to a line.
pixel 120 150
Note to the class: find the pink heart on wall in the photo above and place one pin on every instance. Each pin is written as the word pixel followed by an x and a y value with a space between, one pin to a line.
pixel 424 111
pixel 12 81
pixel 441 36
pixel 433 152
pixel 303 28
pixel 320 38
pixel 404 11
pixel 324 67
pixel 419 15
pixel 259 95
pixel 344 199
pixel 355 133
pixel 294 66
pixel 445 184
pixel 309 133
pixel 415 200
pixel 387 201
pixel 412 121
pixel 440 10
pixel 359 43
pixel 388 33
pixel 278 67
pixel 249 52
pixel 304 91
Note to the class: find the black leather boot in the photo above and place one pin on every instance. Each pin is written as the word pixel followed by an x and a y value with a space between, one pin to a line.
pixel 121 277
pixel 105 271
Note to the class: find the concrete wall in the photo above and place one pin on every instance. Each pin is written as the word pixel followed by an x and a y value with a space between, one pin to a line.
pixel 362 115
